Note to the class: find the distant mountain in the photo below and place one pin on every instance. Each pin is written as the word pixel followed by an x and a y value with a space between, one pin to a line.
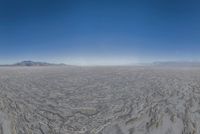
pixel 33 63
pixel 177 64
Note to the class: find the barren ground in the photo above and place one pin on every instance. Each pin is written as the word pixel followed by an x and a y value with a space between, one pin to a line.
pixel 99 100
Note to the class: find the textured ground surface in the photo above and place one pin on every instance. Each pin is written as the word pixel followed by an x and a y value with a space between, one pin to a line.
pixel 99 100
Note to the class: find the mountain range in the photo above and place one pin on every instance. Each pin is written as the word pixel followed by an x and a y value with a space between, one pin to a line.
pixel 177 63
pixel 33 63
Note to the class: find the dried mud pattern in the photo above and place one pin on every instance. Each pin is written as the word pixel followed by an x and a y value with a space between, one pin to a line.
pixel 99 100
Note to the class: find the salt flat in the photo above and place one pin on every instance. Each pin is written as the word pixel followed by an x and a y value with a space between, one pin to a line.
pixel 99 100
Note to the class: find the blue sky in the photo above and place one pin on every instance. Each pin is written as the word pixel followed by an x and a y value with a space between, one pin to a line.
pixel 99 31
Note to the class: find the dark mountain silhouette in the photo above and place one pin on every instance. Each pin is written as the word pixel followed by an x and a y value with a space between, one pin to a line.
pixel 34 63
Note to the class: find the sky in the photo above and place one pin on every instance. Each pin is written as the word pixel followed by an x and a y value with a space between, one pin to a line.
pixel 90 32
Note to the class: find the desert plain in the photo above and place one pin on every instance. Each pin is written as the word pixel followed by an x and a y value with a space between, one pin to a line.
pixel 100 100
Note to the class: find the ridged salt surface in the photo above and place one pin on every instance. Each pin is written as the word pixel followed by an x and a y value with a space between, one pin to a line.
pixel 99 100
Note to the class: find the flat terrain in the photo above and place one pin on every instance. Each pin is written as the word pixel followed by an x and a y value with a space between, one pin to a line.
pixel 99 100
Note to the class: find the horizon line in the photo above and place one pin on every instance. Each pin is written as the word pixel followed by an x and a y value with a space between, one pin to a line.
pixel 105 63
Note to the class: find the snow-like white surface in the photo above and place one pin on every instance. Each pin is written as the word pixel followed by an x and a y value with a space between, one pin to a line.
pixel 99 100
pixel 5 126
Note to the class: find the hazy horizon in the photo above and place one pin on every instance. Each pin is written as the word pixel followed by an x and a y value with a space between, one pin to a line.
pixel 101 62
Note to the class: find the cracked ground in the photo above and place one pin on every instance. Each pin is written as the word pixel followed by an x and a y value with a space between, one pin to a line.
pixel 99 100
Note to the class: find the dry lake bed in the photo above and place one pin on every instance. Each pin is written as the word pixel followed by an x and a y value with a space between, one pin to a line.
pixel 99 100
